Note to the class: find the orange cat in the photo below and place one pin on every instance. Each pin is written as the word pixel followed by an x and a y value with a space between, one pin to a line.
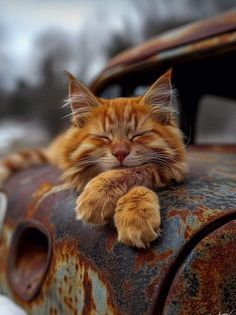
pixel 115 154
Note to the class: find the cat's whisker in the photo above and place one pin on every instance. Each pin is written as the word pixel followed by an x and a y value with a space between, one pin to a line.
pixel 164 158
pixel 67 115
pixel 159 160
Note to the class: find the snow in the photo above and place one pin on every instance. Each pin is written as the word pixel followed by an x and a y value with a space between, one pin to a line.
pixel 15 135
pixel 7 307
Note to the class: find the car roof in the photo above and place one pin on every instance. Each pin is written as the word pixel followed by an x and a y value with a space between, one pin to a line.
pixel 192 39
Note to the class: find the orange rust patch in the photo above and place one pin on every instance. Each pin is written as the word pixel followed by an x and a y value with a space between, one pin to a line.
pixel 188 232
pixel 64 252
pixel 89 304
pixel 128 288
pixel 77 267
pixel 149 257
pixel 70 289
pixel 53 311
pixel 68 302
pixel 150 290
pixel 44 188
pixel 111 241
pixel 214 269
pixel 38 194
pixel 182 213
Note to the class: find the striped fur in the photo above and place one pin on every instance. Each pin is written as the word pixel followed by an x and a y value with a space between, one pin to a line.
pixel 21 160
pixel 116 152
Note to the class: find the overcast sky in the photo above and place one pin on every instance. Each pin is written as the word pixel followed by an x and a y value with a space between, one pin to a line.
pixel 89 28
pixel 22 22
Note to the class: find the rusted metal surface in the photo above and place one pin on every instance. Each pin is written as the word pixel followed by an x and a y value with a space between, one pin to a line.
pixel 201 54
pixel 193 32
pixel 29 258
pixel 89 272
pixel 215 35
pixel 206 281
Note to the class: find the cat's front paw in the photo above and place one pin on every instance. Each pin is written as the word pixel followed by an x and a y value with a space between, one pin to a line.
pixel 93 207
pixel 137 217
pixel 96 204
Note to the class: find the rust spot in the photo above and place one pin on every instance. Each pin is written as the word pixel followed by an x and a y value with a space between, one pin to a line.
pixel 203 284
pixel 53 311
pixel 76 267
pixel 42 189
pixel 202 213
pixel 111 241
pixel 150 290
pixel 188 232
pixel 89 304
pixel 70 289
pixel 29 259
pixel 38 194
pixel 182 213
pixel 128 288
pixel 149 257
pixel 68 301
pixel 64 251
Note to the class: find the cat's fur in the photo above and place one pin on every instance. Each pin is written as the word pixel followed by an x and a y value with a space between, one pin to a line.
pixel 116 153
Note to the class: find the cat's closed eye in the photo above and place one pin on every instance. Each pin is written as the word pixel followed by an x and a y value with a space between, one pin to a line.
pixel 101 137
pixel 140 134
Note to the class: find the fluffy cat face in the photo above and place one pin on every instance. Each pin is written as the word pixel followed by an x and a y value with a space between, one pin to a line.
pixel 122 132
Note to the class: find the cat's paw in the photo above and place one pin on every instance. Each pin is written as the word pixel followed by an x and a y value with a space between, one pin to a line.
pixel 96 204
pixel 137 217
pixel 93 207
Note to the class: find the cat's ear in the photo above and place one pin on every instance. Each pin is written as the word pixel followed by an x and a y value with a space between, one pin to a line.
pixel 159 97
pixel 81 100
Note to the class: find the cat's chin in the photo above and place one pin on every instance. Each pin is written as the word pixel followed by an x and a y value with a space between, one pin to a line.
pixel 120 167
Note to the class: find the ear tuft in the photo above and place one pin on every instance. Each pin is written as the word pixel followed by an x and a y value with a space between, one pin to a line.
pixel 81 100
pixel 160 98
pixel 70 76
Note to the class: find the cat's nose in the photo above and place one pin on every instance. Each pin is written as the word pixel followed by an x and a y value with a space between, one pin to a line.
pixel 120 153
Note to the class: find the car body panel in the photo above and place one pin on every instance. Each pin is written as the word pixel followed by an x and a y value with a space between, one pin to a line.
pixel 89 271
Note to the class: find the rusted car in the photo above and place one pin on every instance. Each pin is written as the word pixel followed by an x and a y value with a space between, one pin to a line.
pixel 52 264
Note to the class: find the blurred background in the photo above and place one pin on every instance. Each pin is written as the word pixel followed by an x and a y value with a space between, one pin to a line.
pixel 41 39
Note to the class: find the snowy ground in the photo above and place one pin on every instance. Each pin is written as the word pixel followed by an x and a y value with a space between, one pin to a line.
pixel 7 307
pixel 19 134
